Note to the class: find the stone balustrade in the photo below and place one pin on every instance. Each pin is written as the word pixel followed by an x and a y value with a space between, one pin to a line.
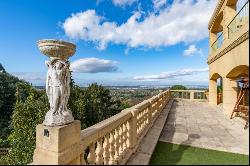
pixel 108 142
pixel 4 151
pixel 114 140
pixel 196 95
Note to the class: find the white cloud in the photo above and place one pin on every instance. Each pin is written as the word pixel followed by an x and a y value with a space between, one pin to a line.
pixel 192 50
pixel 123 2
pixel 183 21
pixel 93 65
pixel 171 74
pixel 36 78
pixel 159 3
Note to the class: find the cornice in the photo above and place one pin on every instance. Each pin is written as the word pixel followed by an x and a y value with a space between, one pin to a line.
pixel 215 13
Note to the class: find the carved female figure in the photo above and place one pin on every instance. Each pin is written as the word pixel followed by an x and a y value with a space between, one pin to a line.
pixel 57 87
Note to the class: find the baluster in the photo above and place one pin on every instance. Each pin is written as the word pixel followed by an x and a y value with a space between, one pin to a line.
pixel 92 156
pixel 117 137
pixel 141 121
pixel 143 118
pixel 82 159
pixel 112 147
pixel 146 116
pixel 106 153
pixel 120 141
pixel 149 114
pixel 124 135
pixel 138 123
pixel 99 152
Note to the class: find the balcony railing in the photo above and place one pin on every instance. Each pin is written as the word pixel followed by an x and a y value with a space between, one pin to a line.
pixel 113 140
pixel 198 95
pixel 241 18
pixel 217 44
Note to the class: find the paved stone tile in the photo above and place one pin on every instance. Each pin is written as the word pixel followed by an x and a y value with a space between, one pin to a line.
pixel 148 144
pixel 208 125
pixel 139 159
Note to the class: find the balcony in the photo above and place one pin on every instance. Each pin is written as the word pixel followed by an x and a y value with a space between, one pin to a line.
pixel 241 18
pixel 236 25
pixel 131 136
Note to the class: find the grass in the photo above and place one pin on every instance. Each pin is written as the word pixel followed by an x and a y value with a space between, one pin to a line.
pixel 2 160
pixel 172 154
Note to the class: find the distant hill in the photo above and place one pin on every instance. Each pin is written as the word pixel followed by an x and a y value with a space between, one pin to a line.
pixel 2 68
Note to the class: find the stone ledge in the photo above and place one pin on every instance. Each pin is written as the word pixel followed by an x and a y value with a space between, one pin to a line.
pixel 146 148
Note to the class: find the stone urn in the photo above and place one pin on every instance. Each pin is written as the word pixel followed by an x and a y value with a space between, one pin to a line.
pixel 57 81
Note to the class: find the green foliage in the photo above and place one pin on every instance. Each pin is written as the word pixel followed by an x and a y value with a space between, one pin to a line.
pixel 28 112
pixel 8 84
pixel 126 105
pixel 99 105
pixel 219 89
pixel 178 87
pixel 93 104
pixel 90 106
pixel 76 104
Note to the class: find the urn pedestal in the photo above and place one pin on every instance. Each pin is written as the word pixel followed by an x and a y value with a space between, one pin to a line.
pixel 58 145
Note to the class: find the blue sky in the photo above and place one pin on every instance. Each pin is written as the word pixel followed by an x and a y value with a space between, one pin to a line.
pixel 119 42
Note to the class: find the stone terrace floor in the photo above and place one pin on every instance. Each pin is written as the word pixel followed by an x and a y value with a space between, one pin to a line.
pixel 201 125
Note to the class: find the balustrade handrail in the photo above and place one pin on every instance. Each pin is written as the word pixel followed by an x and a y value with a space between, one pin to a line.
pixel 197 95
pixel 111 141
pixel 217 44
pixel 189 90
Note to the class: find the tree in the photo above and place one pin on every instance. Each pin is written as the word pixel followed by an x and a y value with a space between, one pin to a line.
pixel 178 87
pixel 28 113
pixel 93 104
pixel 76 104
pixel 8 84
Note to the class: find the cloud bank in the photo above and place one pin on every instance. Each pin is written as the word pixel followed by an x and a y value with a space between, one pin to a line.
pixel 171 74
pixel 192 50
pixel 93 65
pixel 184 21
pixel 123 2
pixel 159 3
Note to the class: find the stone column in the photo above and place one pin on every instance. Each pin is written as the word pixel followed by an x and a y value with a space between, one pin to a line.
pixel 229 95
pixel 192 95
pixel 58 138
pixel 212 92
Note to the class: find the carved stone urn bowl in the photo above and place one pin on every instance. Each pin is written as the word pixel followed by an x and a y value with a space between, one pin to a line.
pixel 56 48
